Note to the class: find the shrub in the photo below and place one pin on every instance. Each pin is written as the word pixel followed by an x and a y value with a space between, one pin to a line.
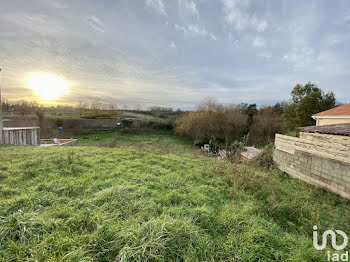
pixel 211 121
pixel 266 123
pixel 265 158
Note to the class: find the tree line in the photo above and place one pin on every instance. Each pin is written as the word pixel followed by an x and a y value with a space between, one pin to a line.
pixel 223 125
pixel 81 109
pixel 210 121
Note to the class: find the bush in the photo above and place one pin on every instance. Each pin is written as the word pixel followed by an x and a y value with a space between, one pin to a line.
pixel 266 123
pixel 211 121
pixel 265 158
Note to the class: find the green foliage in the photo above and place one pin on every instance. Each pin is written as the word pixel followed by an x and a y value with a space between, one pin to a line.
pixel 250 110
pixel 294 133
pixel 307 100
pixel 154 203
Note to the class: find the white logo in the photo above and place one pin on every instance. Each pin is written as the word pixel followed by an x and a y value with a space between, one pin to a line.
pixel 333 238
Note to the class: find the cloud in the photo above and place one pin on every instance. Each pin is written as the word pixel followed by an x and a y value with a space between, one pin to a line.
pixel 237 15
pixel 329 62
pixel 258 42
pixel 157 5
pixel 335 39
pixel 56 4
pixel 144 60
pixel 321 63
pixel 299 57
pixel 265 55
pixel 95 23
pixel 261 25
pixel 195 30
pixel 191 6
pixel 233 40
pixel 34 22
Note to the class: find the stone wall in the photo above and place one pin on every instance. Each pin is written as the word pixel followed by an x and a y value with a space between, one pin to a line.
pixel 21 122
pixel 319 159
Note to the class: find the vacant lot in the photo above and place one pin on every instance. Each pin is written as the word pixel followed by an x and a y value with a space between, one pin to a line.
pixel 152 197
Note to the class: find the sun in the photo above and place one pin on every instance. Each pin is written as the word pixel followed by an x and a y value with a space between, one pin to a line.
pixel 48 86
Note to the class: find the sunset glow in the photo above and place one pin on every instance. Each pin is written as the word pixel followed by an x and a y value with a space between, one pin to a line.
pixel 48 86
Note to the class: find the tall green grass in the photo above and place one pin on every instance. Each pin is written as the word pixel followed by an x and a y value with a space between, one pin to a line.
pixel 155 203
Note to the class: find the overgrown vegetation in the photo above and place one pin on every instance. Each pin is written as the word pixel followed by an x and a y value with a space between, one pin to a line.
pixel 154 203
pixel 222 125
pixel 265 158
pixel 214 123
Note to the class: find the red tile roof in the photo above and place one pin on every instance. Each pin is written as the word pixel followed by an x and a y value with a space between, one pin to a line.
pixel 343 110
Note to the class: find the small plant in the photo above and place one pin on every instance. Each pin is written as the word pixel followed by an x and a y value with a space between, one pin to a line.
pixel 292 133
pixel 234 150
pixel 70 157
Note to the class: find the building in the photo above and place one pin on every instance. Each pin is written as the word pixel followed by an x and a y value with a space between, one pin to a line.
pixel 337 115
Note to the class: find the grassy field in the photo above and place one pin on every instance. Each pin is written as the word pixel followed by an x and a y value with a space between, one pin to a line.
pixel 150 139
pixel 153 197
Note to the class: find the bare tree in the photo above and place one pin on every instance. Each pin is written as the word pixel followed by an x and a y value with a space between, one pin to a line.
pixel 95 107
pixel 81 108
pixel 22 108
pixel 211 121
pixel 112 110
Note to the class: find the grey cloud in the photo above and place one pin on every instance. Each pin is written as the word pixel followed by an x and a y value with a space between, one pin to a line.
pixel 95 23
pixel 161 52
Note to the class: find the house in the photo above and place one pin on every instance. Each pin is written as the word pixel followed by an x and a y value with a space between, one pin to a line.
pixel 337 115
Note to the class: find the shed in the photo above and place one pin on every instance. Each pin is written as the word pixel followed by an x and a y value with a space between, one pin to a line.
pixel 21 135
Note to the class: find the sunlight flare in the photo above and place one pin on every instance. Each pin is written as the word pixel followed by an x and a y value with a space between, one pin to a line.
pixel 48 86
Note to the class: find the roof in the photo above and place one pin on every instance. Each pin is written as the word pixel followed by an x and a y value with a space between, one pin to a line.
pixel 19 128
pixel 343 110
pixel 337 129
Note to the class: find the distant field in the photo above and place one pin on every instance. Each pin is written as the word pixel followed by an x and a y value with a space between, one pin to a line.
pixel 150 138
pixel 153 197
pixel 141 116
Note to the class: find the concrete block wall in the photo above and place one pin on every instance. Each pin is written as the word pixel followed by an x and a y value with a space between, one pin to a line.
pixel 318 159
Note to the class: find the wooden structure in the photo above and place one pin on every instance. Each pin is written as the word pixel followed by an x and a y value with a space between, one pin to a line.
pixel 21 135
pixel 59 142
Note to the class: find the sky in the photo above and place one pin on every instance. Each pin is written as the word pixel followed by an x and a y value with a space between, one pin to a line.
pixel 175 53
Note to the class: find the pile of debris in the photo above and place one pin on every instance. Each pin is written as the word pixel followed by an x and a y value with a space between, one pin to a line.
pixel 245 155
pixel 58 142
